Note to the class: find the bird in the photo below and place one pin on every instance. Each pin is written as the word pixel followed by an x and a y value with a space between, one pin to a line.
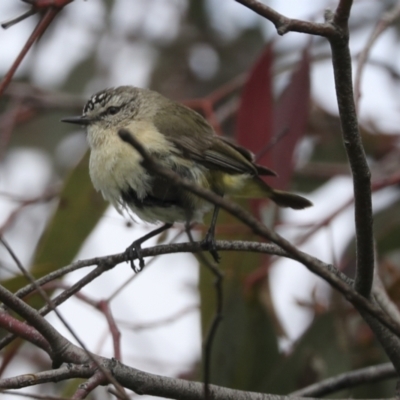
pixel 180 140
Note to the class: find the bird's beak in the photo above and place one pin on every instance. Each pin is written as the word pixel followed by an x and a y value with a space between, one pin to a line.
pixel 77 120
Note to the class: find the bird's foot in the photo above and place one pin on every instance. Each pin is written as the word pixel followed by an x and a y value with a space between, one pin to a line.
pixel 210 242
pixel 131 251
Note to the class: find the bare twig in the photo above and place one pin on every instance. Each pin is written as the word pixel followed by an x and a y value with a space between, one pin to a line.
pixel 61 349
pixel 338 38
pixel 104 307
pixel 342 13
pixel 325 271
pixel 119 289
pixel 348 380
pixel 352 140
pixel 387 19
pixel 92 383
pixel 209 339
pixel 25 15
pixel 383 299
pixel 33 395
pixel 22 330
pixel 221 245
pixel 47 196
pixel 138 381
pixel 57 342
pixel 161 322
pixel 284 24
pixel 49 303
pixel 38 31
pixel 65 295
pixel 335 29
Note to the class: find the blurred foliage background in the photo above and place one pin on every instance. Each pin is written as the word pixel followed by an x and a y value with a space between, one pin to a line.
pixel 273 95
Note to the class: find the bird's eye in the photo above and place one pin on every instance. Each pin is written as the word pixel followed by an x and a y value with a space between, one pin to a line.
pixel 112 110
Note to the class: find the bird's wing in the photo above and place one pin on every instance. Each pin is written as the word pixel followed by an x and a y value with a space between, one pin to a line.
pixel 191 134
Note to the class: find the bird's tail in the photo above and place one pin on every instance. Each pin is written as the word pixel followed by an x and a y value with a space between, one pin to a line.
pixel 257 188
pixel 286 199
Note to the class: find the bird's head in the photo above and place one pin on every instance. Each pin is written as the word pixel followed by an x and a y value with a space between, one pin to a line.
pixel 116 108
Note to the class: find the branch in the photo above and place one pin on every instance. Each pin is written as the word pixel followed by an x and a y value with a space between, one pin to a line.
pixel 34 395
pixel 104 307
pixel 107 262
pixel 383 300
pixel 171 248
pixel 335 30
pixel 22 330
pixel 65 295
pixel 212 330
pixel 38 31
pixel 60 342
pixel 342 13
pixel 388 18
pixel 55 375
pixel 145 383
pixel 92 383
pixel 57 342
pixel 325 271
pixel 50 8
pixel 138 381
pixel 338 36
pixel 284 24
pixel 348 380
pixel 355 151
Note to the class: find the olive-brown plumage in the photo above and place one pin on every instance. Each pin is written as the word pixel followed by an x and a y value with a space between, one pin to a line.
pixel 179 139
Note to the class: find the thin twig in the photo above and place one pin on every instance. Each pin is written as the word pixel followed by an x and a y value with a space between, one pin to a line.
pixel 348 380
pixel 49 303
pixel 209 339
pixel 338 37
pixel 382 298
pixel 24 331
pixel 38 31
pixel 342 13
pixel 161 322
pixel 104 307
pixel 284 24
pixel 221 245
pixel 387 19
pixel 65 295
pixel 92 383
pixel 47 196
pixel 125 284
pixel 33 395
pixel 57 342
pixel 341 59
pixel 139 381
pixel 325 271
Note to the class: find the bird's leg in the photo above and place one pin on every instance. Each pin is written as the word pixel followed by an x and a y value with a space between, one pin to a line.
pixel 136 249
pixel 209 239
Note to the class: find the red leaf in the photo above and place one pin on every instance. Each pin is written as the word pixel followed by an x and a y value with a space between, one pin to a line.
pixel 254 119
pixel 260 123
pixel 290 120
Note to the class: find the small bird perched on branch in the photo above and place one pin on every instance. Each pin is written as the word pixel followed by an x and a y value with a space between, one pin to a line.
pixel 179 139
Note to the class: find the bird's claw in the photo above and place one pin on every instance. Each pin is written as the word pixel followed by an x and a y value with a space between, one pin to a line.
pixel 131 251
pixel 210 243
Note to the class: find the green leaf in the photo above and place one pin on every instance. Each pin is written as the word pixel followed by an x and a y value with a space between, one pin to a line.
pixel 321 352
pixel 78 212
pixel 245 348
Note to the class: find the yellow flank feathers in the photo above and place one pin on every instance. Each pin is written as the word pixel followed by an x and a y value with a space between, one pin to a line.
pixel 245 185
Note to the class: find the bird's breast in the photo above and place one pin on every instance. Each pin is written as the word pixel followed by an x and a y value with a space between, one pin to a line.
pixel 115 167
